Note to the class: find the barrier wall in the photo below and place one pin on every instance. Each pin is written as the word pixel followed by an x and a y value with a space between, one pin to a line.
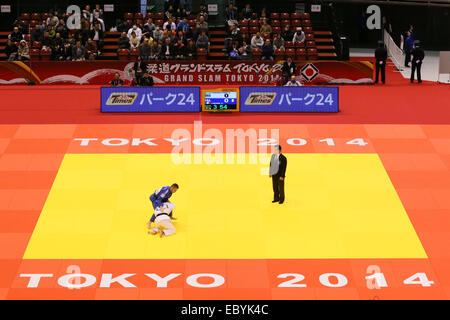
pixel 186 72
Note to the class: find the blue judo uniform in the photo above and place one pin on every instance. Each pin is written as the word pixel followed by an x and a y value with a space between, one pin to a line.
pixel 159 197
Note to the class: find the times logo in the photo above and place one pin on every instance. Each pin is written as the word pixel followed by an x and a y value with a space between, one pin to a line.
pixel 120 98
pixel 261 98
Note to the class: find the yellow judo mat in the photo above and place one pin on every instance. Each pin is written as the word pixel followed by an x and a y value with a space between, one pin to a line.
pixel 337 206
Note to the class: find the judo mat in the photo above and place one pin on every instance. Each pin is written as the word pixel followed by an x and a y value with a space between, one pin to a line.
pixel 359 198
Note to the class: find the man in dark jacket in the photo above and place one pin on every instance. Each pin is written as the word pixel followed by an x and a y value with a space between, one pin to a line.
pixel 380 63
pixel 146 81
pixel 277 172
pixel 16 35
pixel 417 57
pixel 267 50
pixel 408 47
pixel 289 69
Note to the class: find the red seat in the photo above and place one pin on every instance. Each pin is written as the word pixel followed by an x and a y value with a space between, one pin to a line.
pixel 138 15
pixel 312 53
pixel 306 23
pixel 300 53
pixel 149 15
pixel 201 54
pixel 300 44
pixel 290 52
pixel 285 23
pixel 159 15
pixel 35 54
pixel 275 23
pixel 139 21
pixel 134 52
pixel 305 16
pixel 279 54
pixel 295 16
pixel 310 44
pixel 243 23
pixel 123 54
pixel 256 54
pixel 44 16
pixel 25 16
pixel 128 16
pixel 35 16
pixel 309 37
pixel 160 23
pixel 296 23
pixel 254 23
pixel 45 54
pixel 307 30
pixel 276 30
pixel 274 16
pixel 244 30
pixel 285 16
pixel 254 15
pixel 289 44
pixel 254 29
pixel 27 37
pixel 37 45
pixel 34 23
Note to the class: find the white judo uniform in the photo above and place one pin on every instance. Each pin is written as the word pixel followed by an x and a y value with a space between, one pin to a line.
pixel 163 221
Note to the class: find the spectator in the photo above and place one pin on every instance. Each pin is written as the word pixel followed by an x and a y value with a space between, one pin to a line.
pixel 71 40
pixel 179 49
pixel 167 50
pixel 98 36
pixel 169 12
pixel 299 36
pixel 52 20
pixel 169 25
pixel 137 31
pixel 85 28
pixel 289 69
pixel 202 24
pixel 139 68
pixel 278 42
pixel 51 32
pixel 11 50
pixel 155 50
pixel 245 51
pixel 149 26
pixel 183 26
pixel 158 34
pixel 98 12
pixel 257 41
pixel 247 12
pixel 267 50
pixel 58 40
pixel 186 5
pixel 168 34
pixel 264 14
pixel 78 52
pixel 293 82
pixel 23 52
pixel 145 50
pixel 134 41
pixel 16 35
pixel 203 12
pixel 266 29
pixel 191 50
pixel 67 51
pixel 231 14
pixel 58 53
pixel 62 29
pixel 234 51
pixel 203 41
pixel 117 82
pixel 180 36
pixel 408 47
pixel 287 34
pixel 47 42
pixel 87 14
pixel 124 42
pixel 91 50
pixel 146 80
pixel 37 35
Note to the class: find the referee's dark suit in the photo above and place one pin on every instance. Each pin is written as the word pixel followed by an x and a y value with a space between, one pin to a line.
pixel 278 179
pixel 380 64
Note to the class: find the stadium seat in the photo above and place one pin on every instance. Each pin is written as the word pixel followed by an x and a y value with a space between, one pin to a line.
pixel 149 15
pixel 285 22
pixel 300 53
pixel 285 16
pixel 295 16
pixel 279 54
pixel 27 37
pixel 35 54
pixel 312 53
pixel 289 44
pixel 123 54
pixel 201 54
pixel 305 16
pixel 290 52
pixel 300 44
pixel 243 23
pixel 310 44
pixel 254 29
pixel 254 15
pixel 44 16
pixel 36 45
pixel 296 23
pixel 254 23
pixel 256 53
pixel 244 30
pixel 134 52
pixel 34 23
pixel 307 29
pixel 160 23
pixel 159 16
pixel 25 16
pixel 274 16
pixel 45 54
pixel 306 23
pixel 138 16
pixel 35 16
pixel 139 21
pixel 128 16
pixel 276 30
pixel 309 37
pixel 275 23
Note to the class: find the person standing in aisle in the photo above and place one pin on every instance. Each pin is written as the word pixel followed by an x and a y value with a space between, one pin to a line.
pixel 417 57
pixel 380 64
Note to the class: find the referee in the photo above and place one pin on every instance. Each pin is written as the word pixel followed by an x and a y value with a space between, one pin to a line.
pixel 380 64
pixel 277 172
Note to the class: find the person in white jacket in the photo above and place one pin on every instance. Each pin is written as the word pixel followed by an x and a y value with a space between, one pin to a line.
pixel 257 41
pixel 299 36
pixel 136 30
pixel 163 222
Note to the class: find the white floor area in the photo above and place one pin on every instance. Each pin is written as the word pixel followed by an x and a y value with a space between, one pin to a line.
pixel 430 64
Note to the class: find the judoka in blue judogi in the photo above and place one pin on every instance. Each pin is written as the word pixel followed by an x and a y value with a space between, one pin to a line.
pixel 160 196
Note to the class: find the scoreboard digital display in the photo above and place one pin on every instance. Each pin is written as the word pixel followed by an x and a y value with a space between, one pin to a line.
pixel 220 100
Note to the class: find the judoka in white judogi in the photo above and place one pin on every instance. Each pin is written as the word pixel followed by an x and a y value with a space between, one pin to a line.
pixel 163 225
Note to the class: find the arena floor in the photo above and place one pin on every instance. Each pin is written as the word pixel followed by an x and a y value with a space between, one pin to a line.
pixel 367 190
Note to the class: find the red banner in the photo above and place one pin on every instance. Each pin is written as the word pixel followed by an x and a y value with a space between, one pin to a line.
pixel 186 72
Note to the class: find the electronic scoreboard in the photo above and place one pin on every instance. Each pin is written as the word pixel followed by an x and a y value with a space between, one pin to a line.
pixel 220 100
